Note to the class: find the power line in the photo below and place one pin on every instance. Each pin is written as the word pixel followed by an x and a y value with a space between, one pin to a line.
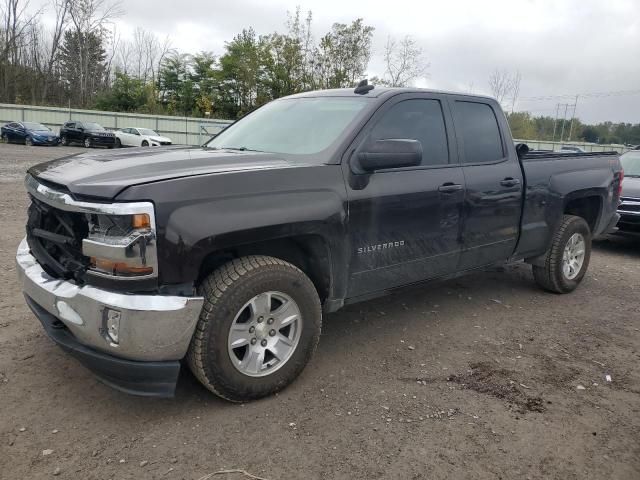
pixel 615 93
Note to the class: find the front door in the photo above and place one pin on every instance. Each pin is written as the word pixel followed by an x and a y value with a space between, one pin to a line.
pixel 404 223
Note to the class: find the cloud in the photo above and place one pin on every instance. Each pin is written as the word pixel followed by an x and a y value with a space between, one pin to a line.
pixel 559 47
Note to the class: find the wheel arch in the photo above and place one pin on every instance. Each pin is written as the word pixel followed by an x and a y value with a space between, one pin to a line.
pixel 309 252
pixel 588 205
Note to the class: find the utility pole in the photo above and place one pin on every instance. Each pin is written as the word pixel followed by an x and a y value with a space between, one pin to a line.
pixel 573 116
pixel 564 119
pixel 553 138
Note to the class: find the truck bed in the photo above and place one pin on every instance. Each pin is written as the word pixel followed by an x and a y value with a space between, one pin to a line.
pixel 554 179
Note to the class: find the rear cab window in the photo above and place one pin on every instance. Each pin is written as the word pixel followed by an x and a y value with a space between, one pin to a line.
pixel 478 132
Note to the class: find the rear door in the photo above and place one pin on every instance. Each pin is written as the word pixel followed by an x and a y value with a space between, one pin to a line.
pixel 404 223
pixel 493 179
pixel 75 132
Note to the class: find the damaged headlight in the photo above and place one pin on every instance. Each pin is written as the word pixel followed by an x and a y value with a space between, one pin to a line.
pixel 121 245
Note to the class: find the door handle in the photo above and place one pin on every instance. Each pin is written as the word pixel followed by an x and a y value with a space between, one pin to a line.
pixel 510 182
pixel 450 187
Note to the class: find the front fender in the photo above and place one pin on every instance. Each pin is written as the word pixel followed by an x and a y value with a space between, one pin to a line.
pixel 200 215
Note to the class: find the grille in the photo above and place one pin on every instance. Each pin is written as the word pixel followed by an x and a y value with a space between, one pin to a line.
pixel 629 205
pixel 55 239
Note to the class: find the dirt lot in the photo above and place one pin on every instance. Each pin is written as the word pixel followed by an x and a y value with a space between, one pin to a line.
pixel 483 377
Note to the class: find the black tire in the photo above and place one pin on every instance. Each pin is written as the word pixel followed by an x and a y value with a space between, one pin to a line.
pixel 28 141
pixel 118 143
pixel 226 291
pixel 64 141
pixel 551 276
pixel 144 143
pixel 5 138
pixel 87 142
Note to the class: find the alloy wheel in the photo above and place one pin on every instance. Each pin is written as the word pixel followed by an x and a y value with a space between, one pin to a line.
pixel 264 334
pixel 573 256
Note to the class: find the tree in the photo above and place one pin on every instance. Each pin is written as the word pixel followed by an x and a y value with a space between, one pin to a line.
pixel 342 56
pixel 404 62
pixel 90 19
pixel 82 66
pixel 242 75
pixel 505 85
pixel 127 94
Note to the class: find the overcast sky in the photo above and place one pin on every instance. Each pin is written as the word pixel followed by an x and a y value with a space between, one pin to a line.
pixel 560 47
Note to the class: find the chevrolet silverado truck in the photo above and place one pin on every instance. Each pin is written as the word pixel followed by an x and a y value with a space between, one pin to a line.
pixel 224 257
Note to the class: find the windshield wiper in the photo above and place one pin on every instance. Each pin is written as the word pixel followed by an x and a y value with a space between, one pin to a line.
pixel 240 149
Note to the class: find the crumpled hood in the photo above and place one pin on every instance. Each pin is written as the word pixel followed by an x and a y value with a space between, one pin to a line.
pixel 103 174
pixel 631 187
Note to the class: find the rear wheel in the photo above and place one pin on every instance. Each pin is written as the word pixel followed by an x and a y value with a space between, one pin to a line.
pixel 5 138
pixel 118 143
pixel 28 142
pixel 567 261
pixel 258 328
pixel 64 141
pixel 87 142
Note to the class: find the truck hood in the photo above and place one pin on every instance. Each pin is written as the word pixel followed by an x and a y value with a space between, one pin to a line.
pixel 631 187
pixel 104 174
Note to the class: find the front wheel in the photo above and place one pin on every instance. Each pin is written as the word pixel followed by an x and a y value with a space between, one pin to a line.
pixel 87 142
pixel 5 138
pixel 258 328
pixel 144 143
pixel 567 260
pixel 28 142
pixel 64 141
pixel 118 143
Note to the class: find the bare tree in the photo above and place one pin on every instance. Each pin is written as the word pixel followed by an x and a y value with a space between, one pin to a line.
pixel 515 90
pixel 90 17
pixel 15 38
pixel 404 62
pixel 61 9
pixel 505 85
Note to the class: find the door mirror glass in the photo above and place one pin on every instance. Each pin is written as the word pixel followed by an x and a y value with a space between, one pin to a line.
pixel 390 153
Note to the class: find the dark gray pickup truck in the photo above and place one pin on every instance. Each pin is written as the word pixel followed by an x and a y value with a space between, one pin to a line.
pixel 225 256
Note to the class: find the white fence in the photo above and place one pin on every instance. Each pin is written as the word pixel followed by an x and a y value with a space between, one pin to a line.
pixel 182 130
pixel 587 147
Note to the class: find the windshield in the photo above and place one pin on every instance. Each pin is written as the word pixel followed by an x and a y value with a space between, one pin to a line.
pixel 146 131
pixel 631 164
pixel 301 126
pixel 92 126
pixel 38 127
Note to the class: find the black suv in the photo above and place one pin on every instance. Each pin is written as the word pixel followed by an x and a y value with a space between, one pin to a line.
pixel 88 134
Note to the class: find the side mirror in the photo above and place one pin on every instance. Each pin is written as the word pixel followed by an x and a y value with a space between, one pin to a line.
pixel 522 149
pixel 390 153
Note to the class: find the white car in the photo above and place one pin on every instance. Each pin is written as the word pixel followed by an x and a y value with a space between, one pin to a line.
pixel 139 137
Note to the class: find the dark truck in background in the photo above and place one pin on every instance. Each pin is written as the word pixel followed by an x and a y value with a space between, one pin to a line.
pixel 226 255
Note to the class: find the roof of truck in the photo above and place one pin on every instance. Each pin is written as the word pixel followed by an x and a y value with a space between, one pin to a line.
pixel 379 92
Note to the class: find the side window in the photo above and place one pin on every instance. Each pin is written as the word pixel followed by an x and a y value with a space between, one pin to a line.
pixel 126 130
pixel 14 125
pixel 417 119
pixel 77 125
pixel 477 125
pixel 70 125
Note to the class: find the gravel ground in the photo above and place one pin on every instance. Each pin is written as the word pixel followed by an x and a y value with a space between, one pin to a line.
pixel 481 377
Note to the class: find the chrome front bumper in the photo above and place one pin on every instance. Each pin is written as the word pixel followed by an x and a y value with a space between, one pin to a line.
pixel 152 327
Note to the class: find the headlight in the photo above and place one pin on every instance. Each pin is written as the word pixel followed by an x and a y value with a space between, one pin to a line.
pixel 121 246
